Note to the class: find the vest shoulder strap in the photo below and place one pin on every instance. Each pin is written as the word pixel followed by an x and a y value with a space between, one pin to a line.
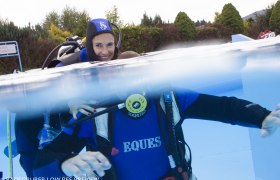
pixel 102 126
pixel 176 113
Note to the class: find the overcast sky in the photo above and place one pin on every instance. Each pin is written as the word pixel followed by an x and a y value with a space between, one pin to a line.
pixel 21 12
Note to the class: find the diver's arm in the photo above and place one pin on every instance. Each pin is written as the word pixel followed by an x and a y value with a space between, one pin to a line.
pixel 48 160
pixel 228 110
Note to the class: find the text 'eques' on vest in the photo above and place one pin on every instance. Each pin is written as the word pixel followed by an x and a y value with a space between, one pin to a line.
pixel 142 144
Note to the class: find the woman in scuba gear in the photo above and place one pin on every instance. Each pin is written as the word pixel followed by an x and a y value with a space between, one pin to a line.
pixel 101 45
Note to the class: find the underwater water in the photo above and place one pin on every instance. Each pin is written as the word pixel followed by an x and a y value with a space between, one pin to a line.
pixel 249 70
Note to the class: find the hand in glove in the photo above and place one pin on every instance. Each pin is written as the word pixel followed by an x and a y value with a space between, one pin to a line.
pixel 271 122
pixel 87 165
pixel 76 106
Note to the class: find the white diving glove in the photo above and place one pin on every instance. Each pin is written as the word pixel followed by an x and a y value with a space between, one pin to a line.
pixel 271 122
pixel 83 107
pixel 86 165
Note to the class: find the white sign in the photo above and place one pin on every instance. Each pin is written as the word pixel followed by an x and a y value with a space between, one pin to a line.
pixel 8 49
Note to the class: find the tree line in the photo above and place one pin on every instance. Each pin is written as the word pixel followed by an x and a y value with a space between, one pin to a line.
pixel 36 42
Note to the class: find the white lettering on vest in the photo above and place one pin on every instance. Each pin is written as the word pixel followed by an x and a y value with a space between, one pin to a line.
pixel 142 144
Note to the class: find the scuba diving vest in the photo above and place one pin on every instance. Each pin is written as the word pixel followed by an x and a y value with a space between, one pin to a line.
pixel 173 138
